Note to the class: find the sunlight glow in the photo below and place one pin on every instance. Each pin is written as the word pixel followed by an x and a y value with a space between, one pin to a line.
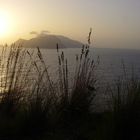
pixel 5 24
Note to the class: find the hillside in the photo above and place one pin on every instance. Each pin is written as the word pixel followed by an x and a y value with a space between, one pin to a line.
pixel 49 42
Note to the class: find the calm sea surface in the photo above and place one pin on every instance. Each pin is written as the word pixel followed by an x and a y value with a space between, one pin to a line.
pixel 111 61
pixel 109 68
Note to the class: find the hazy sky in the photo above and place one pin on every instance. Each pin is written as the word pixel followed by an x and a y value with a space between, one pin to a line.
pixel 115 23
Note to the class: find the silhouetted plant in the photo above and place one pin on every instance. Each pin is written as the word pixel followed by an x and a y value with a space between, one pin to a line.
pixel 125 103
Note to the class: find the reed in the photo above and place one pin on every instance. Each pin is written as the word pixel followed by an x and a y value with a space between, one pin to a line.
pixel 35 106
pixel 125 106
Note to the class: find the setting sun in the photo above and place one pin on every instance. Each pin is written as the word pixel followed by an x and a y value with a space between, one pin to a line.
pixel 5 24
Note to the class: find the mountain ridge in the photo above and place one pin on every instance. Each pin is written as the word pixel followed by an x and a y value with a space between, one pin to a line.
pixel 49 42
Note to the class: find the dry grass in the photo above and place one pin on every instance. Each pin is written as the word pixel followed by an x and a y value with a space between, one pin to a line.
pixel 33 106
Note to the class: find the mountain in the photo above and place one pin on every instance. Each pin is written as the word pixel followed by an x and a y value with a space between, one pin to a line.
pixel 49 41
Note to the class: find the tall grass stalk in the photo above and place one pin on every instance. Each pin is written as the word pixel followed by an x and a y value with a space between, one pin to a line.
pixel 125 106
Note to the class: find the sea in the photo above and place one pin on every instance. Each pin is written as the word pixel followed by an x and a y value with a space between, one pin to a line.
pixel 113 65
pixel 112 62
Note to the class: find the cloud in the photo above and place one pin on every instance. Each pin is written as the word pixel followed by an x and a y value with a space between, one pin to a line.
pixel 34 33
pixel 42 33
pixel 45 32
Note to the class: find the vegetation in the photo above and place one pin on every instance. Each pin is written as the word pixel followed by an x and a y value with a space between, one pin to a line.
pixel 33 106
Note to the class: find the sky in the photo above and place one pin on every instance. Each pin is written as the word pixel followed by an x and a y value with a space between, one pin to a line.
pixel 115 23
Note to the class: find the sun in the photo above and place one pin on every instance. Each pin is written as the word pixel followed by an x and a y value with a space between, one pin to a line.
pixel 5 24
